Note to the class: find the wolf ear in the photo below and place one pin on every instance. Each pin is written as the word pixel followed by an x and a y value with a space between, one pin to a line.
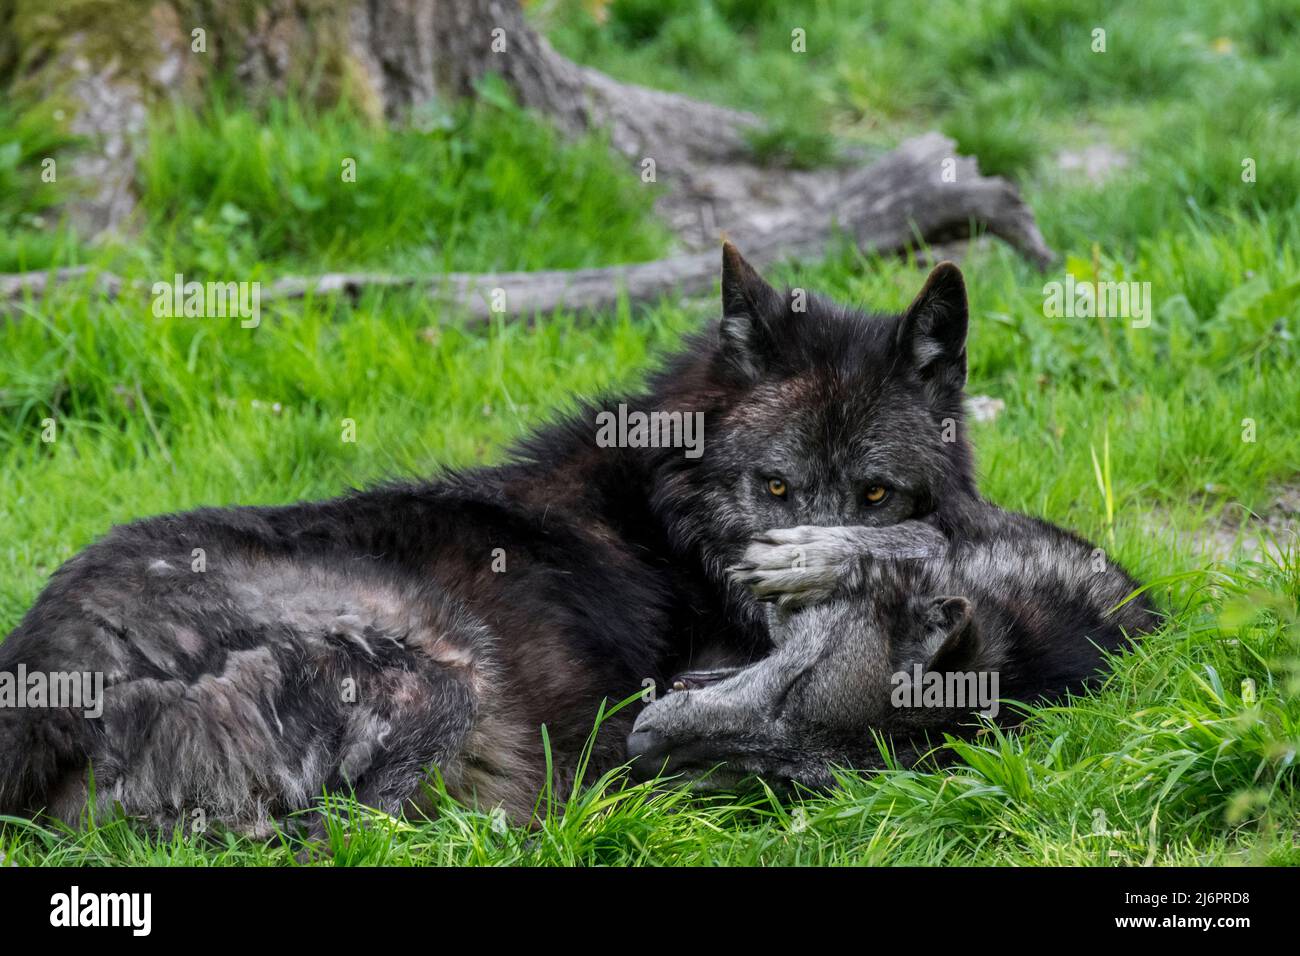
pixel 749 304
pixel 933 330
pixel 950 629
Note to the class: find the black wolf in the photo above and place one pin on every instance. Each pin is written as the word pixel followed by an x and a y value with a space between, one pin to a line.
pixel 256 656
pixel 908 648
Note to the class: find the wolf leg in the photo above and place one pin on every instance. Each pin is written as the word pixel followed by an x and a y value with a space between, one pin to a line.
pixel 736 717
pixel 794 567
pixel 418 742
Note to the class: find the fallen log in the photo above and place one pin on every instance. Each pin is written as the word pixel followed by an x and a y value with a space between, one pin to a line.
pixel 893 205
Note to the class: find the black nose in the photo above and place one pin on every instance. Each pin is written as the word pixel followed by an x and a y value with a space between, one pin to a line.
pixel 643 743
pixel 645 748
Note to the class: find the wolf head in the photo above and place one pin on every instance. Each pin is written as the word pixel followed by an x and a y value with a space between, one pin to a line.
pixel 843 671
pixel 818 414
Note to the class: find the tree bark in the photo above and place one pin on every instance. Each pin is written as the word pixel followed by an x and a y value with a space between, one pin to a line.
pixel 392 57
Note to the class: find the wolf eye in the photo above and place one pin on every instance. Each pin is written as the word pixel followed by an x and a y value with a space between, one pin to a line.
pixel 876 494
pixel 777 487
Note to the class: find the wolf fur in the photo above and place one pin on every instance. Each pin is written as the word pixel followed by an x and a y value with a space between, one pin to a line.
pixel 1030 603
pixel 254 657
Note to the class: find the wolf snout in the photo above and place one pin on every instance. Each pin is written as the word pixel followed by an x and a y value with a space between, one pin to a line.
pixel 644 743
pixel 647 748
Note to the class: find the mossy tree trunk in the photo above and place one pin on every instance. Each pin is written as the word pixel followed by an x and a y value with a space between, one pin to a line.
pixel 110 60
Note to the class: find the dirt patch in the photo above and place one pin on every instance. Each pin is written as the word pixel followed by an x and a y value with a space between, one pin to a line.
pixel 1094 163
pixel 1238 533
pixel 984 408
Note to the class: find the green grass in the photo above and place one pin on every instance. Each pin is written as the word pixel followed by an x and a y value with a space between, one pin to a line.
pixel 1185 756
pixel 482 187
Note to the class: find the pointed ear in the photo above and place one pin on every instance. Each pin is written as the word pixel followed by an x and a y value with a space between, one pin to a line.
pixel 749 304
pixel 950 629
pixel 933 330
pixel 744 291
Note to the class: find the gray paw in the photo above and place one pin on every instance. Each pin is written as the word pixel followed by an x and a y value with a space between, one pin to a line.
pixel 794 566
pixel 789 588
pixel 798 566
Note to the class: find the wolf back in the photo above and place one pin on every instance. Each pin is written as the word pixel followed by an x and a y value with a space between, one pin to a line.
pixel 255 656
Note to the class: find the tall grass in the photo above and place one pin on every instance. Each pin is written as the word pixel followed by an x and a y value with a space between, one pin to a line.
pixel 480 187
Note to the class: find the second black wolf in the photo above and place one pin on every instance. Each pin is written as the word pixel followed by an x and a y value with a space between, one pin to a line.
pixel 256 656
pixel 906 648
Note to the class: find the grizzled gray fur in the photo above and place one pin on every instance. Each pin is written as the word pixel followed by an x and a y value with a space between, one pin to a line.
pixel 1023 606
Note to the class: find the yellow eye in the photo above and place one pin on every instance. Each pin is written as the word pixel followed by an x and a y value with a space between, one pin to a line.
pixel 876 494
pixel 776 486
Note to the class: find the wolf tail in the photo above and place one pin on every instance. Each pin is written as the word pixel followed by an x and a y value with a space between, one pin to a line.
pixel 13 759
pixel 39 746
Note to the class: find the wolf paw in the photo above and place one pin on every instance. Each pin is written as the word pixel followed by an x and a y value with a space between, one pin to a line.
pixel 789 588
pixel 794 567
pixel 905 540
